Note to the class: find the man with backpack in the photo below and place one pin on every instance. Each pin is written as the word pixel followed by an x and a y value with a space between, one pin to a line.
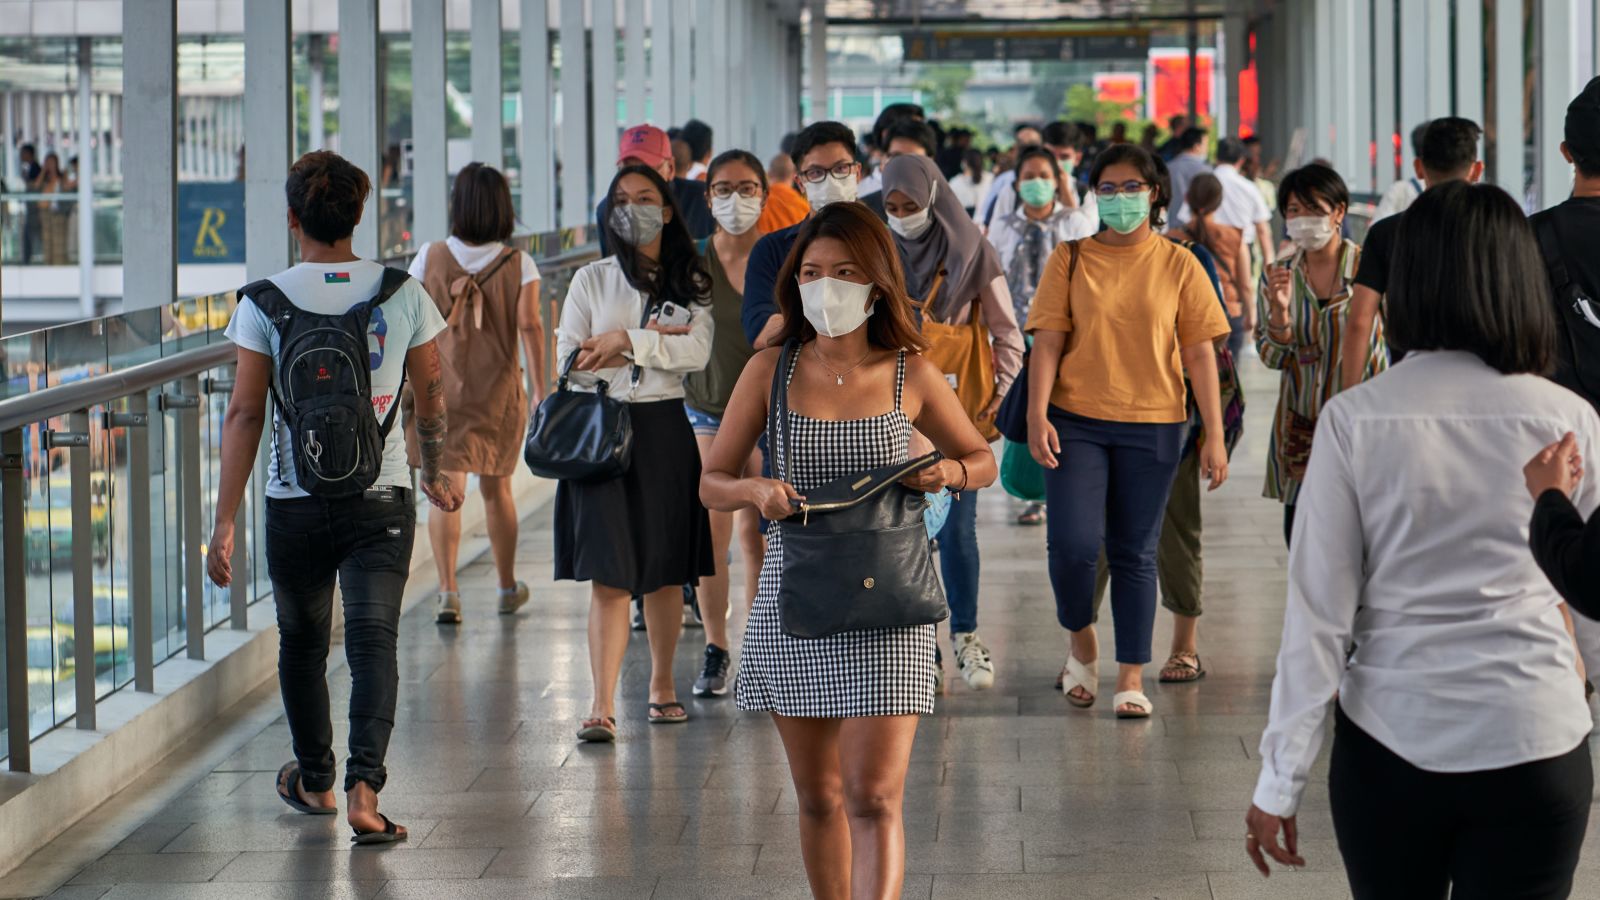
pixel 333 341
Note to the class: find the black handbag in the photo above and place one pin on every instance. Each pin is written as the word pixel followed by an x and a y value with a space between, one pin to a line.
pixel 578 435
pixel 855 554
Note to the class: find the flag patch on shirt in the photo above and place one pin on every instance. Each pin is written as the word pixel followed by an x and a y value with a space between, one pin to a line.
pixel 335 277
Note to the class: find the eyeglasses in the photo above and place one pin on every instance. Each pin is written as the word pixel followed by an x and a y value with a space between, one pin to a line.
pixel 722 190
pixel 1108 189
pixel 840 171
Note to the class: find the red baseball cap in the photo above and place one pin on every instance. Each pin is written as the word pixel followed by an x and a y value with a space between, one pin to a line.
pixel 646 143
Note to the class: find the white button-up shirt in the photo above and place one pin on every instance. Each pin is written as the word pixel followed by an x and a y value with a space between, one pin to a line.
pixel 601 300
pixel 1411 543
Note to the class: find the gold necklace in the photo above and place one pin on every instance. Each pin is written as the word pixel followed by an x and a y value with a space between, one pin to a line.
pixel 838 377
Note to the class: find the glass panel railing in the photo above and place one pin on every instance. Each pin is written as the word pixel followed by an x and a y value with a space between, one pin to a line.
pixel 42 229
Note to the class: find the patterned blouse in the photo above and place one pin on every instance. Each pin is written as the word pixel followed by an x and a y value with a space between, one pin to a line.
pixel 1309 361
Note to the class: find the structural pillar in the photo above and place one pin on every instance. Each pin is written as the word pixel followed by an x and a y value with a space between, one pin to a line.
pixel 538 154
pixel 663 111
pixel 604 88
pixel 704 24
pixel 1356 103
pixel 430 178
pixel 1558 84
pixel 682 64
pixel 723 85
pixel 316 62
pixel 1385 77
pixel 1439 60
pixel 1413 76
pixel 1192 28
pixel 739 60
pixel 1469 60
pixel 85 142
pixel 149 172
pixel 818 68
pixel 574 117
pixel 633 62
pixel 360 119
pixel 488 107
pixel 1508 98
pixel 268 133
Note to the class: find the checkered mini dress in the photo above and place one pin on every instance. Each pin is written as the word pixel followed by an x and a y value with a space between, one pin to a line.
pixel 882 672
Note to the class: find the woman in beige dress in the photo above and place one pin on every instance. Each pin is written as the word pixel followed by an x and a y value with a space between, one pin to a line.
pixel 489 295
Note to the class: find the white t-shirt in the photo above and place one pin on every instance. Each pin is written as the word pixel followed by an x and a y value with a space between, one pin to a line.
pixel 1242 204
pixel 408 319
pixel 473 258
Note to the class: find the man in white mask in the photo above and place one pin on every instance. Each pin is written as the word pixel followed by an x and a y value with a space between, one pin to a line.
pixel 826 172
pixel 1448 152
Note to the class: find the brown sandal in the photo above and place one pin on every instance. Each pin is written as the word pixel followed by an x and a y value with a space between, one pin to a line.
pixel 598 730
pixel 1186 670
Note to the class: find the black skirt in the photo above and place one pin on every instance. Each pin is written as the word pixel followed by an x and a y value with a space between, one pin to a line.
pixel 645 530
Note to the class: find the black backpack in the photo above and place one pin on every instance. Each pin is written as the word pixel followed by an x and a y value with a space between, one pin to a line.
pixel 322 384
pixel 1578 352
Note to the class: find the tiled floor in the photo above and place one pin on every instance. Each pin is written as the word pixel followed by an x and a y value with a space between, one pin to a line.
pixel 1013 794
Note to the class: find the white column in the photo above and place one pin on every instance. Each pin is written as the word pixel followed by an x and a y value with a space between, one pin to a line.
pixel 818 69
pixel 662 112
pixel 1384 75
pixel 316 60
pixel 1558 84
pixel 360 128
pixel 1413 76
pixel 574 117
pixel 1326 47
pixel 633 68
pixel 1508 98
pixel 538 160
pixel 488 108
pixel 268 133
pixel 85 144
pixel 429 158
pixel 703 25
pixel 1342 102
pixel 723 83
pixel 740 61
pixel 682 66
pixel 1356 104
pixel 604 86
pixel 1439 73
pixel 1469 60
pixel 150 179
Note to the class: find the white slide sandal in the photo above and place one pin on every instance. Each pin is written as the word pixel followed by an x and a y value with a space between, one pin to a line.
pixel 1080 675
pixel 1142 707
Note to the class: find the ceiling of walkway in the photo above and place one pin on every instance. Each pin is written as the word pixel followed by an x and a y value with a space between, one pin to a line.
pixel 936 10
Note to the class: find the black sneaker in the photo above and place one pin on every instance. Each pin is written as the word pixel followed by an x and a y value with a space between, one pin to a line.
pixel 638 613
pixel 713 680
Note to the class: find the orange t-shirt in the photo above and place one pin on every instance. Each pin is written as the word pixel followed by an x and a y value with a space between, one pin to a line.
pixel 1126 313
pixel 785 206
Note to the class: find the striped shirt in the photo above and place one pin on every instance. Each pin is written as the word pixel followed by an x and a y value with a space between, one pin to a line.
pixel 1309 363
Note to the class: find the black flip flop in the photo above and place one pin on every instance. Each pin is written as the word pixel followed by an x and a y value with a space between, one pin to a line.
pixel 391 834
pixel 668 719
pixel 288 787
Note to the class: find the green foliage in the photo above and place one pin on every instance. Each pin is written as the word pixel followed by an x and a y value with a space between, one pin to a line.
pixel 942 85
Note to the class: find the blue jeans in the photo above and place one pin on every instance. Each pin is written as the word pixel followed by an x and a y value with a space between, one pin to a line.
pixel 1111 487
pixel 958 562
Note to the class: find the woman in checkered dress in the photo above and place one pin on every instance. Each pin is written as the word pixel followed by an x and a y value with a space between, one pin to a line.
pixel 845 706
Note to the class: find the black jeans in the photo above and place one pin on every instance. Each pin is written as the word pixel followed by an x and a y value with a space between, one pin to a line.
pixel 1507 834
pixel 366 544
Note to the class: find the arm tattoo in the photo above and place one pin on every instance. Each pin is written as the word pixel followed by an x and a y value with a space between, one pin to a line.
pixel 430 433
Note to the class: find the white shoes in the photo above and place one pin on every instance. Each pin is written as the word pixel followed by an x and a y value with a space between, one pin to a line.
pixel 447 608
pixel 973 659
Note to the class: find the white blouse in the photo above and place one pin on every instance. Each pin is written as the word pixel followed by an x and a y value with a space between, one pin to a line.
pixel 1411 544
pixel 600 300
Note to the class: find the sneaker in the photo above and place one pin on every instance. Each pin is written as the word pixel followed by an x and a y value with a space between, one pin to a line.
pixel 513 599
pixel 972 657
pixel 447 608
pixel 638 613
pixel 691 608
pixel 713 680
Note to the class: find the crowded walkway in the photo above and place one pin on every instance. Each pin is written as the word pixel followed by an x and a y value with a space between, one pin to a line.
pixel 1010 792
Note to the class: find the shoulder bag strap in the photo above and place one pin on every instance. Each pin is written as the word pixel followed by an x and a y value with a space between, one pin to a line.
pixel 778 410
pixel 393 280
pixel 488 271
pixel 1550 249
pixel 1072 270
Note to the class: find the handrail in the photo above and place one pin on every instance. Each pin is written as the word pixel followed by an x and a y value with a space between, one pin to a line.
pixel 20 412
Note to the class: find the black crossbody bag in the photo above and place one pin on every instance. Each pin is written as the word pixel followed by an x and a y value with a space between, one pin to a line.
pixel 855 554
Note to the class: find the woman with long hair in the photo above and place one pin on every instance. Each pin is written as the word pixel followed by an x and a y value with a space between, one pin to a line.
pixel 736 188
pixel 971 328
pixel 1460 761
pixel 1227 246
pixel 1301 310
pixel 1116 322
pixel 643 533
pixel 846 706
pixel 489 295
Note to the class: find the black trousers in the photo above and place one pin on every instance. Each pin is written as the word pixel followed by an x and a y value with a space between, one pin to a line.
pixel 366 545
pixel 1506 834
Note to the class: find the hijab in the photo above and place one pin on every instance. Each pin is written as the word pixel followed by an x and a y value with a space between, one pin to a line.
pixel 953 241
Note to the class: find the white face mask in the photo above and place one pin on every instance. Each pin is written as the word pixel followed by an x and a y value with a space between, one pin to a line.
pixel 830 190
pixel 834 307
pixel 1310 232
pixel 736 214
pixel 913 226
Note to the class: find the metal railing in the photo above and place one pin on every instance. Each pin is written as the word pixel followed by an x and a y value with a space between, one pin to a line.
pixel 98 590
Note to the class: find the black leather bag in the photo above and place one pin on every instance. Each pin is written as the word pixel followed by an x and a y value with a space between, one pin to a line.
pixel 578 435
pixel 855 554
